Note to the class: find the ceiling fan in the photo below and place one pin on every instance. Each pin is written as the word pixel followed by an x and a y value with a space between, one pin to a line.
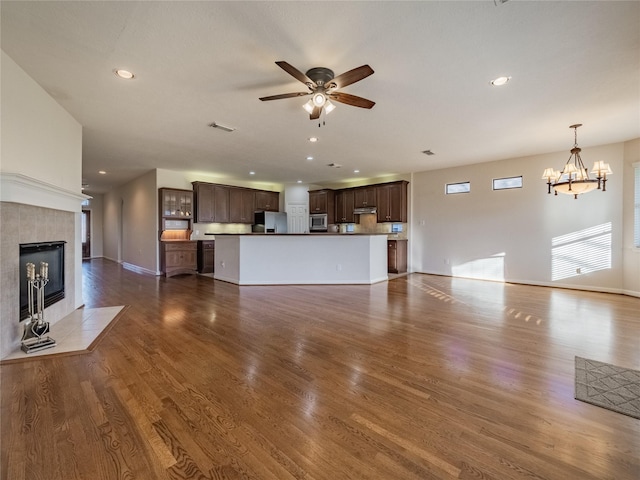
pixel 322 85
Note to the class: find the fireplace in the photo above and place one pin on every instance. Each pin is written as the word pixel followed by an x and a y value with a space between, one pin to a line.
pixel 51 253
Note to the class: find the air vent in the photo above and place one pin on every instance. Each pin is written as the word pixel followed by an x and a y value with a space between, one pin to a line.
pixel 334 165
pixel 221 127
pixel 428 152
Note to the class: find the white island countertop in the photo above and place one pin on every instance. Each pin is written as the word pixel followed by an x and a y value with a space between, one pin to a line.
pixel 280 259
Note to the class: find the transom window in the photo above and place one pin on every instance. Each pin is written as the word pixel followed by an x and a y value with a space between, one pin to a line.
pixel 461 187
pixel 507 183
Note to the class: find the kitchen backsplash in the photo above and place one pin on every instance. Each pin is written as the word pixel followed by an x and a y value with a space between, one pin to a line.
pixel 200 229
pixel 369 224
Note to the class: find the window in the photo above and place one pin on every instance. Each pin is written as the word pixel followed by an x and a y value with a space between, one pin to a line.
pixel 462 187
pixel 507 183
pixel 636 206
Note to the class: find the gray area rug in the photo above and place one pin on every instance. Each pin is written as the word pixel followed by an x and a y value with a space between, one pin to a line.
pixel 608 386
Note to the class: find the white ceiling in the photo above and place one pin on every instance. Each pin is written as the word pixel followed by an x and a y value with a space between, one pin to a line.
pixel 203 62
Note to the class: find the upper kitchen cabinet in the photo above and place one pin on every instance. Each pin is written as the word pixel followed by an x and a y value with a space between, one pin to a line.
pixel 176 203
pixel 241 205
pixel 322 201
pixel 267 201
pixel 344 206
pixel 204 202
pixel 221 203
pixel 211 202
pixel 365 196
pixel 392 201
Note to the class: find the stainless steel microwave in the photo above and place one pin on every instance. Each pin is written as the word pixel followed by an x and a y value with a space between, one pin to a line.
pixel 318 222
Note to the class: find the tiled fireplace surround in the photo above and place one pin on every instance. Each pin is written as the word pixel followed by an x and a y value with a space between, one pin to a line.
pixel 21 223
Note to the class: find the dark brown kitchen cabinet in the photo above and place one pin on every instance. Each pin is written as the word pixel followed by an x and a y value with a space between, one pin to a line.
pixel 178 256
pixel 241 205
pixel 344 206
pixel 176 203
pixel 392 202
pixel 211 202
pixel 221 201
pixel 267 201
pixel 175 213
pixel 365 196
pixel 397 256
pixel 206 256
pixel 203 202
pixel 321 201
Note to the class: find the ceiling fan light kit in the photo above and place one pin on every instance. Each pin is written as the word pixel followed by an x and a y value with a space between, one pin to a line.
pixel 322 85
pixel 574 178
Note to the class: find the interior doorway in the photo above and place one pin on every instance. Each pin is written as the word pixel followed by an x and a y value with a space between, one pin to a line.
pixel 86 233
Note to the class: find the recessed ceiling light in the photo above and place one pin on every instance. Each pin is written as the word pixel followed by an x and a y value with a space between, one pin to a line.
pixel 299 181
pixel 356 171
pixel 252 173
pixel 102 172
pixel 313 139
pixel 498 82
pixel 126 74
pixel 309 158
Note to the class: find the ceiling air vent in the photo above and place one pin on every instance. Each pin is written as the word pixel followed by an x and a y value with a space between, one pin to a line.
pixel 334 165
pixel 428 152
pixel 221 127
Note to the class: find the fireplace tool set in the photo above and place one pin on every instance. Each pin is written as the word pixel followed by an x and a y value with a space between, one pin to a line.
pixel 34 337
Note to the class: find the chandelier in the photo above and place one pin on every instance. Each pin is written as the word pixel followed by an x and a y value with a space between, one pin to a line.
pixel 574 178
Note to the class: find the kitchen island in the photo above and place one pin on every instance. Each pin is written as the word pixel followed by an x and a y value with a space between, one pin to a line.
pixel 280 259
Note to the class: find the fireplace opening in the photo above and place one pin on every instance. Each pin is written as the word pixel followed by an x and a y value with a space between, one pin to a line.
pixel 51 253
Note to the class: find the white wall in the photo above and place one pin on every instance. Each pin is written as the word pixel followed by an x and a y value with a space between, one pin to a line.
pixel 40 166
pixel 510 234
pixel 39 138
pixel 111 225
pixel 131 224
pixel 630 254
pixel 296 194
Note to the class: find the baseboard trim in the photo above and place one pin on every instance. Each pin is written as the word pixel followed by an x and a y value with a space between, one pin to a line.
pixel 137 269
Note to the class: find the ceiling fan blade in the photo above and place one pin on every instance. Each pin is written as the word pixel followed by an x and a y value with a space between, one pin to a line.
pixel 351 100
pixel 316 113
pixel 352 76
pixel 285 95
pixel 297 74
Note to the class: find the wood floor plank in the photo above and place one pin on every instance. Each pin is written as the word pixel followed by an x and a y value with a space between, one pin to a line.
pixel 422 377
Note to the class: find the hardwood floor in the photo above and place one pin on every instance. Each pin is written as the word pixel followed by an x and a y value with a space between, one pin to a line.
pixel 420 377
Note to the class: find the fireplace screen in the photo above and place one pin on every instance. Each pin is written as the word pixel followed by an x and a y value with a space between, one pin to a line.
pixel 51 253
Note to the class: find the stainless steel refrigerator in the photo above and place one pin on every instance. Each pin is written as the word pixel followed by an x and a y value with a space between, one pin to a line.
pixel 270 222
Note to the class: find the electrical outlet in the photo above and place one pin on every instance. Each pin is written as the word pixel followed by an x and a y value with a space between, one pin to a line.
pixel 339 267
pixel 222 264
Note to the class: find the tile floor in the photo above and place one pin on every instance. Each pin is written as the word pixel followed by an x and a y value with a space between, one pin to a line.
pixel 75 332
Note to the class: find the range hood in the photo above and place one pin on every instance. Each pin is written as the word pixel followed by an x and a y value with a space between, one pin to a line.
pixel 361 210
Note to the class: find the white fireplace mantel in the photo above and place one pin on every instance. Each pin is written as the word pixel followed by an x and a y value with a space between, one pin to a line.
pixel 18 188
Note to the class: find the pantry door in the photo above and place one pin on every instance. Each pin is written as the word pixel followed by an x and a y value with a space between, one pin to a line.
pixel 297 218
